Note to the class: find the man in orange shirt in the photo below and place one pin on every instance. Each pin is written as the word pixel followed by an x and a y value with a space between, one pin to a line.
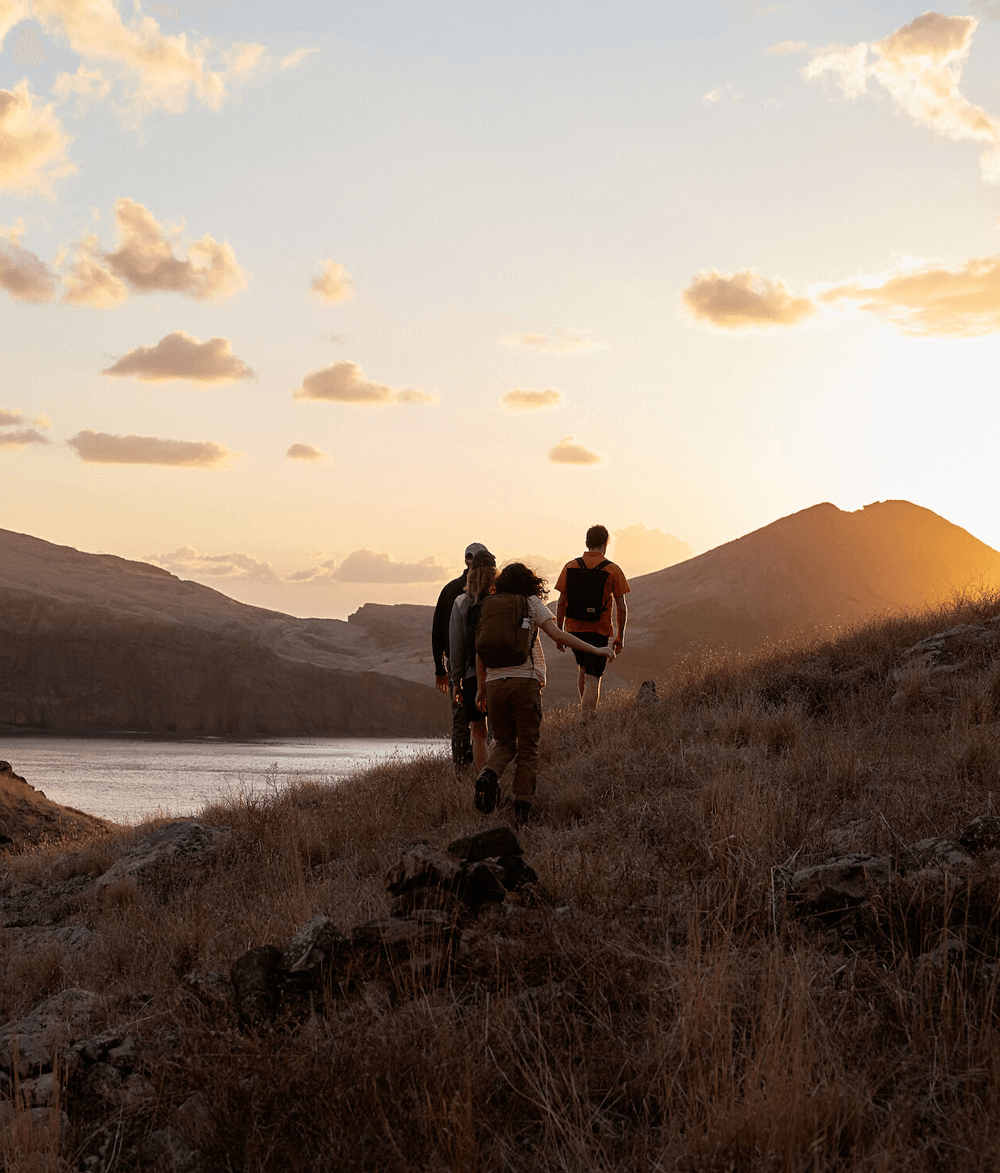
pixel 586 588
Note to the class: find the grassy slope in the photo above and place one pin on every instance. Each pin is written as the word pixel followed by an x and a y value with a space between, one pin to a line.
pixel 678 1017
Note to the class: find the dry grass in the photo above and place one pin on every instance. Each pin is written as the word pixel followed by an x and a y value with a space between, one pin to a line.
pixel 658 1009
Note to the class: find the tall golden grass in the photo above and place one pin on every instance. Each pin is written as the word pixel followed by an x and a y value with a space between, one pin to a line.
pixel 654 1007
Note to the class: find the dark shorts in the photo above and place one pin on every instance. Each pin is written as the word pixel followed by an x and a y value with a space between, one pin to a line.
pixel 592 665
pixel 469 701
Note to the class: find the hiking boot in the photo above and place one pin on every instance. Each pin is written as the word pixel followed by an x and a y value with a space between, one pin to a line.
pixel 487 791
pixel 522 812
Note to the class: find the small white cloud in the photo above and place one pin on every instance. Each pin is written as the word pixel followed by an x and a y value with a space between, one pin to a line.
pixel 560 341
pixel 346 382
pixel 186 562
pixel 370 566
pixel 526 399
pixel 784 48
pixel 305 452
pixel 182 356
pixel 104 448
pixel 335 284
pixel 569 450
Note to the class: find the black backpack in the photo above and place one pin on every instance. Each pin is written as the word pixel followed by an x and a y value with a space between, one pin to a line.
pixel 585 591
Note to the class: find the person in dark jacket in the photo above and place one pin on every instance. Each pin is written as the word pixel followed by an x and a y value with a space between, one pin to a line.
pixel 461 737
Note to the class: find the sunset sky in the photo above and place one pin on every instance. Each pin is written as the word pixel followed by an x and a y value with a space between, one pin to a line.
pixel 298 299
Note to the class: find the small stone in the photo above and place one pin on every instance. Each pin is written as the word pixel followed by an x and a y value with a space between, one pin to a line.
pixel 492 843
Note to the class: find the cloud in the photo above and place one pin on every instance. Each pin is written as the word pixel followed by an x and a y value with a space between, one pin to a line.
pixel 89 281
pixel 335 284
pixel 931 299
pixel 525 399
pixel 345 382
pixel 560 342
pixel 102 448
pixel 86 85
pixel 569 450
pixel 164 10
pixel 22 438
pixel 784 48
pixel 28 48
pixel 145 261
pixel 155 70
pixel 188 563
pixel 32 144
pixel 919 66
pixel 639 550
pixel 733 301
pixel 181 356
pixel 10 416
pixel 369 566
pixel 726 91
pixel 22 274
pixel 297 57
pixel 304 452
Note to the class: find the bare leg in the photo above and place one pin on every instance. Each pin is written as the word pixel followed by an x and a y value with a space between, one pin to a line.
pixel 581 678
pixel 590 695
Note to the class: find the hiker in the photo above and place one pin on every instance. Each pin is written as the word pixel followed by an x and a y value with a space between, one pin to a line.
pixel 586 588
pixel 461 737
pixel 510 668
pixel 462 649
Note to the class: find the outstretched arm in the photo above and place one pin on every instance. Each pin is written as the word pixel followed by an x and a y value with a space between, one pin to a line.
pixel 561 616
pixel 554 632
pixel 622 612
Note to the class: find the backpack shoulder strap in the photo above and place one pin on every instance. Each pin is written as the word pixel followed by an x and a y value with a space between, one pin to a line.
pixel 580 562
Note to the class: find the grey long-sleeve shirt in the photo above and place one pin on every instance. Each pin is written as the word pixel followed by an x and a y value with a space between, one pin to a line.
pixel 458 670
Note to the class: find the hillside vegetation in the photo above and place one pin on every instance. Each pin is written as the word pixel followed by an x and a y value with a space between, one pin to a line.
pixel 664 998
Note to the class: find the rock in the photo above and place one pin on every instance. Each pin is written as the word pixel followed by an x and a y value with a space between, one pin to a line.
pixel 484 882
pixel 314 947
pixel 489 844
pixel 441 899
pixel 183 843
pixel 69 939
pixel 49 1028
pixel 982 834
pixel 256 978
pixel 41 1092
pixel 944 649
pixel 422 865
pixel 839 882
pixel 646 697
pixel 214 989
pixel 945 854
pixel 424 939
pixel 949 951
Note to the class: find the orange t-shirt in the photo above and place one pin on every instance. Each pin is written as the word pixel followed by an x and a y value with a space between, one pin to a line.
pixel 614 584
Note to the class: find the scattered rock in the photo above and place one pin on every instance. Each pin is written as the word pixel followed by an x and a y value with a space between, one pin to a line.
pixel 646 697
pixel 314 947
pixel 421 865
pixel 944 854
pixel 182 844
pixel 27 1046
pixel 491 843
pixel 982 834
pixel 256 978
pixel 840 882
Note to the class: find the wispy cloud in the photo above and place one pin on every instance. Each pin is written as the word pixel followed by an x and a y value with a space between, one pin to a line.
pixel 569 450
pixel 640 550
pixel 103 448
pixel 525 399
pixel 560 341
pixel 931 299
pixel 33 144
pixel 296 58
pixel 305 452
pixel 346 382
pixel 182 356
pixel 920 67
pixel 21 438
pixel 152 69
pixel 784 48
pixel 186 562
pixel 734 301
pixel 370 566
pixel 335 284
pixel 722 93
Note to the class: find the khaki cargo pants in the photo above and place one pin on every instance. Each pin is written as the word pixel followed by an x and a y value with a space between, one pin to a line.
pixel 514 709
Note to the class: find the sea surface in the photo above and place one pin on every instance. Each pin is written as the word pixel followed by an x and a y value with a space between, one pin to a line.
pixel 128 779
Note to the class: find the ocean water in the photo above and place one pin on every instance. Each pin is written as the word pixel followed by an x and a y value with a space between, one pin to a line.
pixel 127 779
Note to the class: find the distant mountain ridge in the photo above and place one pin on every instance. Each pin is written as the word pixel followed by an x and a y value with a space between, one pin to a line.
pixel 813 570
pixel 96 642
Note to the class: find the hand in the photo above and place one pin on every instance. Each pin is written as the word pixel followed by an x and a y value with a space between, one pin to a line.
pixel 609 653
pixel 481 700
pixel 561 647
pixel 441 683
pixel 457 695
pixel 618 645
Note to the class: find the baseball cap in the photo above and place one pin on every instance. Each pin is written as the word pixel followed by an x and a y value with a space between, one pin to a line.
pixel 474 548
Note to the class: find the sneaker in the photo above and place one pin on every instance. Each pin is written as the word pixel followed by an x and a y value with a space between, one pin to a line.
pixel 522 812
pixel 487 791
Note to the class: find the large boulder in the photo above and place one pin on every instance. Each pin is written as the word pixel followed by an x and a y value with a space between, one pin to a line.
pixel 167 848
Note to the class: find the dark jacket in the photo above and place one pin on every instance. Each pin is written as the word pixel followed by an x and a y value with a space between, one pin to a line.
pixel 442 618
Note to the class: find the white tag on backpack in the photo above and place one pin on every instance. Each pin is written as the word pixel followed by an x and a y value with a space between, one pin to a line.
pixel 525 623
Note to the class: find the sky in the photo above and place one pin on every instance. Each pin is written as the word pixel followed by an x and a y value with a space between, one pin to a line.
pixel 297 300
